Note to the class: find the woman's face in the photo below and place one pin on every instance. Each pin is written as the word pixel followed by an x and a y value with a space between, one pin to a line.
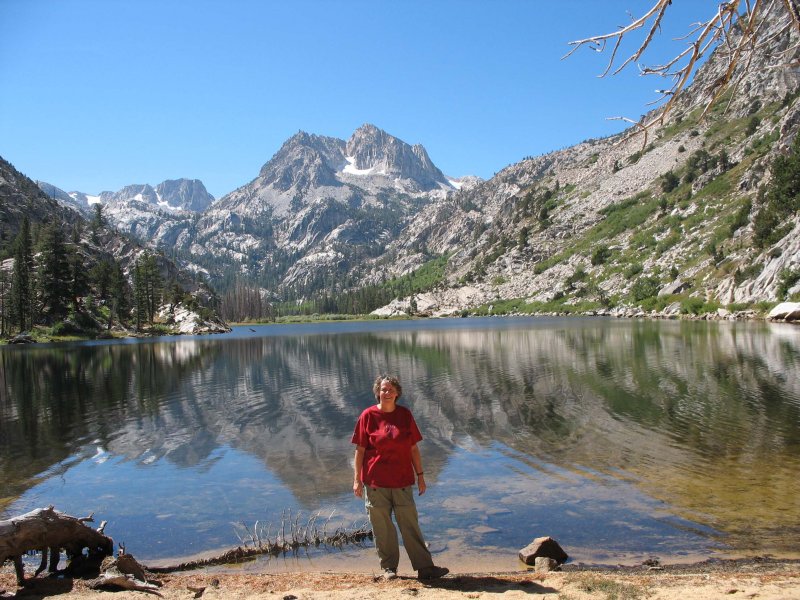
pixel 387 392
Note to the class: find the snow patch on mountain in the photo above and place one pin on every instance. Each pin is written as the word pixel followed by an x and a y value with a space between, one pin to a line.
pixel 352 169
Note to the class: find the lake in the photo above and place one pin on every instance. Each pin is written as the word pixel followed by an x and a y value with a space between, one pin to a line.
pixel 623 440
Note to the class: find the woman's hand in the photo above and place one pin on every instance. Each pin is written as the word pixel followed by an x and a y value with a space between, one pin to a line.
pixel 358 464
pixel 416 462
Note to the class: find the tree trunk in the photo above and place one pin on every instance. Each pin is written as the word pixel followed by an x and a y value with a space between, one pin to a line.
pixel 48 531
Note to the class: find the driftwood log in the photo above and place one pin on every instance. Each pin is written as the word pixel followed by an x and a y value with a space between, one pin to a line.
pixel 48 531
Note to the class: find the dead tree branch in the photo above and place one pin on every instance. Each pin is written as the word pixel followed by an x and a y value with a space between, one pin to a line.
pixel 256 543
pixel 48 531
pixel 737 26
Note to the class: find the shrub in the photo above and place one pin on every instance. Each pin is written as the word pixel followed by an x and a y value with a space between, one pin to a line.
pixel 692 306
pixel 669 181
pixel 644 287
pixel 65 328
pixel 696 306
pixel 742 216
pixel 633 270
pixel 787 279
pixel 601 255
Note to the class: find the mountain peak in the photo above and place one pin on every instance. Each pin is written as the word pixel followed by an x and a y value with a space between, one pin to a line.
pixel 304 160
pixel 372 149
pixel 172 194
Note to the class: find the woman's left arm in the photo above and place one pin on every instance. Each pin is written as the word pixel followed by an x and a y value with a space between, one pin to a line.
pixel 416 460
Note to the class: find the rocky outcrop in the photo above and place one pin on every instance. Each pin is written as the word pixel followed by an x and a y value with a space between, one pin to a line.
pixel 785 311
pixel 182 320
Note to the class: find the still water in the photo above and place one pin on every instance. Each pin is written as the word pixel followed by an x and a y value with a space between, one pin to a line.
pixel 623 440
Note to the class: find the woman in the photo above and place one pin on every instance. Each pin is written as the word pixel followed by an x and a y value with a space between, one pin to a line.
pixel 386 463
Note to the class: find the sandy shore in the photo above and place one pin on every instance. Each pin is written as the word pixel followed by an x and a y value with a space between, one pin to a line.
pixel 746 578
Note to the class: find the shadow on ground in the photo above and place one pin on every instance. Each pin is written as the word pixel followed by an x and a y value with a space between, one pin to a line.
pixel 487 584
pixel 37 588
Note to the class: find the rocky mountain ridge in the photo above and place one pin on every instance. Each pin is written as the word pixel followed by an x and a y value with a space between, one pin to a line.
pixel 172 194
pixel 317 208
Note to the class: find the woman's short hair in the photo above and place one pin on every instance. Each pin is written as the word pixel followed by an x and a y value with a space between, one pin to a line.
pixel 376 387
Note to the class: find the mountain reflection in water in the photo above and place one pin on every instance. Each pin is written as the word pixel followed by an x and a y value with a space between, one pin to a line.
pixel 620 439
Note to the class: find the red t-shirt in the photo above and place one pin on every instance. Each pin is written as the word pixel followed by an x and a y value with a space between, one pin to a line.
pixel 387 438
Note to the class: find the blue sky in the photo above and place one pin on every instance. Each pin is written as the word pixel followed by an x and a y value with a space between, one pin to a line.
pixel 99 94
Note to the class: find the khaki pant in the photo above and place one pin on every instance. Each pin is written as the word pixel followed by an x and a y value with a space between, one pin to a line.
pixel 380 503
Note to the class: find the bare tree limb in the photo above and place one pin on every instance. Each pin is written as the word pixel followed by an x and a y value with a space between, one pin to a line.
pixel 737 27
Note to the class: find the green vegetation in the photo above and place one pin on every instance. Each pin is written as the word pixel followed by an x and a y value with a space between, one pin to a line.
pixel 781 201
pixel 364 300
pixel 669 181
pixel 63 292
pixel 600 255
pixel 788 278
pixel 645 287
pixel 520 306
pixel 704 220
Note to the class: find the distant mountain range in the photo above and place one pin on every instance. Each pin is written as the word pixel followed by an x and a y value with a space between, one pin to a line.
pixel 315 210
pixel 603 223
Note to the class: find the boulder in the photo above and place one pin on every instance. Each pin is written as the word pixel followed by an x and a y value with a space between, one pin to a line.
pixel 676 287
pixel 544 564
pixel 543 547
pixel 785 311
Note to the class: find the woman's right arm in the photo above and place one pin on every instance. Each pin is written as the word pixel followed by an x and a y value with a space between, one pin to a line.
pixel 358 487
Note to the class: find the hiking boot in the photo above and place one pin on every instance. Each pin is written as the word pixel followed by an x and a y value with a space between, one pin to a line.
pixel 432 572
pixel 389 574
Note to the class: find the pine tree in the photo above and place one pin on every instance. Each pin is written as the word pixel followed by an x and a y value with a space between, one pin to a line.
pixel 154 286
pixel 139 295
pixel 5 297
pixel 119 293
pixel 21 293
pixel 147 289
pixel 78 277
pixel 97 222
pixel 100 276
pixel 54 274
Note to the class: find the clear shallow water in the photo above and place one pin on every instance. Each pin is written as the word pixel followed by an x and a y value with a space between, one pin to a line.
pixel 621 439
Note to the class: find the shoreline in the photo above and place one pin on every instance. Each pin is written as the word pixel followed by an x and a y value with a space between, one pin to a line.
pixel 361 558
pixel 625 313
pixel 764 577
